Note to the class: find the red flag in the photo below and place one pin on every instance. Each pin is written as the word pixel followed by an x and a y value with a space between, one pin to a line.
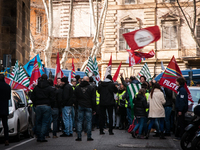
pixel 73 69
pixel 168 79
pixel 140 38
pixel 117 72
pixel 133 59
pixel 150 54
pixel 59 73
pixel 35 74
pixel 15 85
pixel 108 70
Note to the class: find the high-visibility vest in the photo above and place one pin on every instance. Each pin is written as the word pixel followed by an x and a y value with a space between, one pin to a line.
pixel 120 99
pixel 97 98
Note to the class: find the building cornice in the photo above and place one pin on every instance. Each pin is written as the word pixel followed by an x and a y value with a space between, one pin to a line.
pixel 150 5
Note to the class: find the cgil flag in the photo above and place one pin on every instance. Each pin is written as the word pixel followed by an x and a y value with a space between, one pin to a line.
pixel 73 74
pixel 117 72
pixel 58 73
pixel 132 90
pixel 140 38
pixel 132 59
pixel 18 74
pixel 109 67
pixel 171 73
pixel 89 67
pixel 150 54
pixel 96 70
pixel 144 72
pixel 35 75
pixel 29 66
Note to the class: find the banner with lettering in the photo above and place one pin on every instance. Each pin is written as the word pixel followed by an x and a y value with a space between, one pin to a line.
pixel 140 38
pixel 168 79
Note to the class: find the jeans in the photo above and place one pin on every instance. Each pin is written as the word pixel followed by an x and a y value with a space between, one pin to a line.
pixel 43 116
pixel 130 120
pixel 161 123
pixel 55 113
pixel 73 117
pixel 139 125
pixel 168 111
pixel 67 119
pixel 84 113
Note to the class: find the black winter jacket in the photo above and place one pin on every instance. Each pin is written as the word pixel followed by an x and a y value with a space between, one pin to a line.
pixel 168 98
pixel 58 101
pixel 181 100
pixel 140 105
pixel 67 95
pixel 43 94
pixel 106 90
pixel 85 95
pixel 5 93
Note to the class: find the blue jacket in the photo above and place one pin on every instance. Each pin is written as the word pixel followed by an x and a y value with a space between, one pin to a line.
pixel 181 100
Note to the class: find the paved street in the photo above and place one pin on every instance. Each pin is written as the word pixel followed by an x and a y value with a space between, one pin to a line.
pixel 120 141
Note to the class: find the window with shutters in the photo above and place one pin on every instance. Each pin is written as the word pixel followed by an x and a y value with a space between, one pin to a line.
pixel 122 42
pixel 130 1
pixel 39 24
pixel 169 37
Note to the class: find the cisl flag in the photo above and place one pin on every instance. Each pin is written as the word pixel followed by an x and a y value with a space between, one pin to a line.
pixel 140 38
pixel 168 79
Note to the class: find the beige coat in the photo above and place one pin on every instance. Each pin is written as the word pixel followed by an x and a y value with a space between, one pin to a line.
pixel 156 109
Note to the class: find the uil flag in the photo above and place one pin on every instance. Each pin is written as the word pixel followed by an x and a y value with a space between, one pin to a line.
pixel 58 73
pixel 73 69
pixel 117 72
pixel 140 38
pixel 108 70
pixel 35 74
pixel 168 79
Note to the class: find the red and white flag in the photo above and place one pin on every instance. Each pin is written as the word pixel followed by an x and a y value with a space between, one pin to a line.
pixel 140 38
pixel 109 68
pixel 58 73
pixel 132 59
pixel 73 69
pixel 117 72
pixel 35 74
pixel 150 54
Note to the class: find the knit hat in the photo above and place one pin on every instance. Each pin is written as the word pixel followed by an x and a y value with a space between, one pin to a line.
pixel 64 79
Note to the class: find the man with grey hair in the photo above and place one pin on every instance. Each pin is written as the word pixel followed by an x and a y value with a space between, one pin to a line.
pixel 85 100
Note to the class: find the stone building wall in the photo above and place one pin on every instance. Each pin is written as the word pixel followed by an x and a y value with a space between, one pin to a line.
pixel 141 14
pixel 14 29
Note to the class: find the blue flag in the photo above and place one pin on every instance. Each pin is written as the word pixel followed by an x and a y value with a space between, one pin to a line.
pixel 29 66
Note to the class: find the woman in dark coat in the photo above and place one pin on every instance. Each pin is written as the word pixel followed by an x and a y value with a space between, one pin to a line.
pixel 140 105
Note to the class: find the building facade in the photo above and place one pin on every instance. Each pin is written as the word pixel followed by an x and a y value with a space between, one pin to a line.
pixel 128 15
pixel 14 30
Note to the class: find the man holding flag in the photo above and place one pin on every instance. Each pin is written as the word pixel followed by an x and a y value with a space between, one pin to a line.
pixel 181 105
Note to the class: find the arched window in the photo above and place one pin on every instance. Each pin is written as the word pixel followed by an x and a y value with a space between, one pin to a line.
pixel 127 24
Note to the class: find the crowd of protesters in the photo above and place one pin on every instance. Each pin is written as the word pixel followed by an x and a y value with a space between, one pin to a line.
pixel 82 106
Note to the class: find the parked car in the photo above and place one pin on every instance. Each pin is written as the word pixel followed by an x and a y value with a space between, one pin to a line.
pixel 18 119
pixel 195 92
